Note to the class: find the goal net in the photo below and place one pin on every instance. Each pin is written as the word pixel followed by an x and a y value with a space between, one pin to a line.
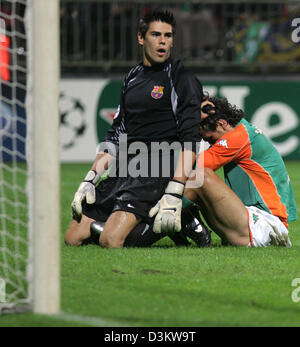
pixel 14 242
pixel 25 217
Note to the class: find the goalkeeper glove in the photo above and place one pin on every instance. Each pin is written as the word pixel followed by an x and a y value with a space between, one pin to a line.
pixel 168 209
pixel 86 191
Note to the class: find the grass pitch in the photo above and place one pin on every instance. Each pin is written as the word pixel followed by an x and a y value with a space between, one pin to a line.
pixel 167 286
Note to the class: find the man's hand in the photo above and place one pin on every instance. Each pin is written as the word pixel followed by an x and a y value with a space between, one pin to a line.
pixel 86 191
pixel 168 209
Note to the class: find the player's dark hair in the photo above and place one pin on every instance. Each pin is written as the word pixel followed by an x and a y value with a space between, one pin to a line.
pixel 222 110
pixel 164 16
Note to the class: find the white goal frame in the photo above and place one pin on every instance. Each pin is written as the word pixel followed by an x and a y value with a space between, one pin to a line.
pixel 43 154
pixel 40 232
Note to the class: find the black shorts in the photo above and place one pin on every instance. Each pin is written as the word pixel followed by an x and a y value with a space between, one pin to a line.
pixel 132 194
pixel 137 195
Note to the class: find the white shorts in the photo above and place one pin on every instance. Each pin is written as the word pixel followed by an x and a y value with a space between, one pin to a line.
pixel 266 229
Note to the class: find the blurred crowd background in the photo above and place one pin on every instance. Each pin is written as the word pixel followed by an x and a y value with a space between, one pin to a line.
pixel 247 51
pixel 212 35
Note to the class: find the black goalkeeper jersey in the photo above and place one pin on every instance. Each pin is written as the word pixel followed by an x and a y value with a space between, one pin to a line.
pixel 160 103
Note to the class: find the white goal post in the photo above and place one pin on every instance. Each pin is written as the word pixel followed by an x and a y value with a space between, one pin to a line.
pixel 41 239
pixel 45 71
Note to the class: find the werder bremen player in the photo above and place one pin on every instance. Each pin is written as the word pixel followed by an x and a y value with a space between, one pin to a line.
pixel 255 205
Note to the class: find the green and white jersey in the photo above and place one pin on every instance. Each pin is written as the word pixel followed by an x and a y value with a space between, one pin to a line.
pixel 254 170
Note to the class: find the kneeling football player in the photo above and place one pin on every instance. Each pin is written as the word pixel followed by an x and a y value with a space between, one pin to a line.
pixel 95 214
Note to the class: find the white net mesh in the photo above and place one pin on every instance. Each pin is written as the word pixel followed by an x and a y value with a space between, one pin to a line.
pixel 14 235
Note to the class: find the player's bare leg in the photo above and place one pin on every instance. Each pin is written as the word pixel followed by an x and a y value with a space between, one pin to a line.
pixel 222 209
pixel 117 228
pixel 77 233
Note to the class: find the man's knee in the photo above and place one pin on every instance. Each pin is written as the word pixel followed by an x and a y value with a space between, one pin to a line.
pixel 117 228
pixel 71 238
pixel 77 232
pixel 111 240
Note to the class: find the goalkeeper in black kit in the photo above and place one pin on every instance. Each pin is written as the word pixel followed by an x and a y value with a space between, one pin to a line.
pixel 160 104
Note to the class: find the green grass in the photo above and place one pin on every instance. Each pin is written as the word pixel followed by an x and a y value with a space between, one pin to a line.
pixel 169 286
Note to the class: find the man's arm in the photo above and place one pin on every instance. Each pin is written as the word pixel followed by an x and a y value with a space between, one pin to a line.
pixel 232 147
pixel 102 162
pixel 86 190
pixel 168 209
pixel 185 164
pixel 186 103
pixel 105 156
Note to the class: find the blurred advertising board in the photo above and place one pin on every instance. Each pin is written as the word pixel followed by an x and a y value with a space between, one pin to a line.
pixel 87 108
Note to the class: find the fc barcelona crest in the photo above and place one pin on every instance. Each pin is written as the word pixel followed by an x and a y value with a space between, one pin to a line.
pixel 157 92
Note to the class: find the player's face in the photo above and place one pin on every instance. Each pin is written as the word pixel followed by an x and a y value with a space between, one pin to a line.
pixel 157 43
pixel 210 136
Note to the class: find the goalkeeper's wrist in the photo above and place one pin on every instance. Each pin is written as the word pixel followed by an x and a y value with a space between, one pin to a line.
pixel 92 177
pixel 175 188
